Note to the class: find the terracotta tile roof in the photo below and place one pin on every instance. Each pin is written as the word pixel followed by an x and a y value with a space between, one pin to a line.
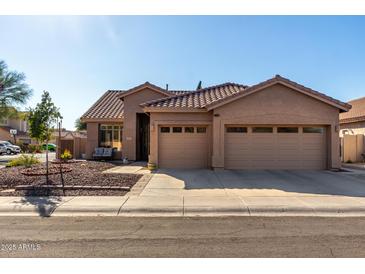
pixel 179 92
pixel 199 98
pixel 357 112
pixel 109 106
pixel 212 96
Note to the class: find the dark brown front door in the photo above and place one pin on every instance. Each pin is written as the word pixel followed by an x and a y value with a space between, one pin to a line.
pixel 143 136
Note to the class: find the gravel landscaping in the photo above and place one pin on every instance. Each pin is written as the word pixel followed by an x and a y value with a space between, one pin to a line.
pixel 87 173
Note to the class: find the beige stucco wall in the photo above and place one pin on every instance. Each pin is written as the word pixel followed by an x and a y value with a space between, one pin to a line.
pixel 160 119
pixel 276 105
pixel 131 108
pixel 92 139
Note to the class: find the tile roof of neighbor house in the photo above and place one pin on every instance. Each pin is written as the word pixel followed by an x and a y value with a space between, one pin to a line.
pixel 357 112
pixel 69 134
pixel 211 96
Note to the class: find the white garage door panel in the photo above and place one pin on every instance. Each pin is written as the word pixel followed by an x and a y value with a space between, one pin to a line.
pixel 183 150
pixel 275 150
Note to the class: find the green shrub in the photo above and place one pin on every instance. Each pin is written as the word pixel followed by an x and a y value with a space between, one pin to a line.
pixel 349 162
pixel 66 155
pixel 24 160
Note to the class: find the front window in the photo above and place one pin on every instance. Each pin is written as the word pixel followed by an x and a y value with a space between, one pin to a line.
pixel 111 136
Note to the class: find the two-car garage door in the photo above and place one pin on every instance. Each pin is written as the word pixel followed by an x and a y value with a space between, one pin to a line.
pixel 275 147
pixel 245 147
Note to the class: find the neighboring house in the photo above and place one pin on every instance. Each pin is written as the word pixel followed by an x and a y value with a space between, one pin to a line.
pixel 352 131
pixel 21 126
pixel 276 124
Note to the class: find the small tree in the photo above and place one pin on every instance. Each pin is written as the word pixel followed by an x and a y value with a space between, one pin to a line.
pixel 80 125
pixel 42 120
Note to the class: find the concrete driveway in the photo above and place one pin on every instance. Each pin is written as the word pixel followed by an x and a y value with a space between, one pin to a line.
pixel 269 183
pixel 227 192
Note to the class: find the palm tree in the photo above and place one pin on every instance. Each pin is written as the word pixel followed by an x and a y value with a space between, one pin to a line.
pixel 13 90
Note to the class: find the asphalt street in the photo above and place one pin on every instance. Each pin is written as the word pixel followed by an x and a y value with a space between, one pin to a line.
pixel 182 237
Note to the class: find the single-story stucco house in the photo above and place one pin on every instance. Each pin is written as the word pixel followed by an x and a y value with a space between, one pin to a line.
pixel 352 131
pixel 276 124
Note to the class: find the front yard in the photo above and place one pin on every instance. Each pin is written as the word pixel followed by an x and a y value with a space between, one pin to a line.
pixel 87 176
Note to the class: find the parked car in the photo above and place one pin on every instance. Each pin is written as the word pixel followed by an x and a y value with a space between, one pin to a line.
pixel 10 148
pixel 51 147
pixel 2 149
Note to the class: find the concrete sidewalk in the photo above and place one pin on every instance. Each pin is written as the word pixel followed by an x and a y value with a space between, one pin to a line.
pixel 182 206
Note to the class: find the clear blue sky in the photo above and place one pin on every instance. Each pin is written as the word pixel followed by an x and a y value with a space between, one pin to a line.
pixel 77 58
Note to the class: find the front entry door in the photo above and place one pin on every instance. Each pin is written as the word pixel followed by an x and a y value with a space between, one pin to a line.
pixel 143 136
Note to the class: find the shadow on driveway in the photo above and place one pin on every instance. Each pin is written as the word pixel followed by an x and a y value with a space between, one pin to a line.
pixel 302 181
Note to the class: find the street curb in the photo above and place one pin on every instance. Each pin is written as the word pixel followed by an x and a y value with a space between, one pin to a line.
pixel 155 210
pixel 123 208
pixel 109 211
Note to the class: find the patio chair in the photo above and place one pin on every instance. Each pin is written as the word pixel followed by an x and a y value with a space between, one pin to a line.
pixel 98 153
pixel 108 153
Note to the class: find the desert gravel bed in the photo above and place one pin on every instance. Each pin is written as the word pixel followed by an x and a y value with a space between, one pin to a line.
pixel 83 173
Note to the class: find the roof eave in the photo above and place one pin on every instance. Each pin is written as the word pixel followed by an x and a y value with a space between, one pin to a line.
pixel 173 109
pixel 352 120
pixel 101 120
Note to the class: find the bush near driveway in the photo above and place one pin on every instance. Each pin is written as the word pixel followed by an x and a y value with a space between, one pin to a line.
pixel 66 155
pixel 23 160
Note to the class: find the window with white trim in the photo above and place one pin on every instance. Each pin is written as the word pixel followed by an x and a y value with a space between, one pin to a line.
pixel 111 136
